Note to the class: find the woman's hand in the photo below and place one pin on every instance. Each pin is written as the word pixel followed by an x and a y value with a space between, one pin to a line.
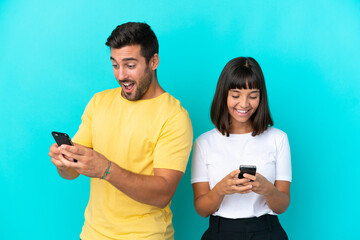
pixel 277 195
pixel 232 184
pixel 260 184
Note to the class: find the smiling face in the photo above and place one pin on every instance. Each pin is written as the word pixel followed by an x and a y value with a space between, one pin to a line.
pixel 135 76
pixel 242 104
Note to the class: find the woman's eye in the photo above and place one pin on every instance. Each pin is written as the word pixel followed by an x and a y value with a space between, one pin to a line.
pixel 235 96
pixel 253 97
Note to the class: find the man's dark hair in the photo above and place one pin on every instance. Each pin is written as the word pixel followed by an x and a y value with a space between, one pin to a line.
pixel 135 33
pixel 240 73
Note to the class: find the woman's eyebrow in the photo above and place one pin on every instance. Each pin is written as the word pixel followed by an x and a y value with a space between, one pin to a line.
pixel 256 91
pixel 238 91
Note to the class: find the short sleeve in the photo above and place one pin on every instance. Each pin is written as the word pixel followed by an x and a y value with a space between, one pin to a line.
pixel 198 166
pixel 173 147
pixel 283 161
pixel 84 135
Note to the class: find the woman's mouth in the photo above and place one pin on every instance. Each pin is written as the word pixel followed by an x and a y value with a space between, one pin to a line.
pixel 242 112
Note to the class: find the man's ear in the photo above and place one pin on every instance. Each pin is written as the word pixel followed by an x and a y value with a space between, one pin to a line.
pixel 154 62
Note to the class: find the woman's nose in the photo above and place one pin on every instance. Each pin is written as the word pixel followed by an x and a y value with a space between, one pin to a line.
pixel 243 102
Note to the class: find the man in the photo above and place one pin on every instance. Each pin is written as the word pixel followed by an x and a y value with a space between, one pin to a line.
pixel 134 142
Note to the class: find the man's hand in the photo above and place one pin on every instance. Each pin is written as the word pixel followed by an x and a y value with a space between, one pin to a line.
pixel 55 157
pixel 89 162
pixel 60 162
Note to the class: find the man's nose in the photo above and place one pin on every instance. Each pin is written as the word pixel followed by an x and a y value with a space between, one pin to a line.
pixel 121 74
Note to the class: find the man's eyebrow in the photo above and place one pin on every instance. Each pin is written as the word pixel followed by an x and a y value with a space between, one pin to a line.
pixel 125 59
pixel 129 59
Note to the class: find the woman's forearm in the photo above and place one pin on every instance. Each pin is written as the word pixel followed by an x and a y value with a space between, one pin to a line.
pixel 277 200
pixel 208 203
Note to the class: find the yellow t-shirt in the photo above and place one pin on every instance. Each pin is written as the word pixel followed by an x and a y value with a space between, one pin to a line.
pixel 138 136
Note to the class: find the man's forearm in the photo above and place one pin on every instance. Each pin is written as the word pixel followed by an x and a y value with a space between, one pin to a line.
pixel 151 190
pixel 67 173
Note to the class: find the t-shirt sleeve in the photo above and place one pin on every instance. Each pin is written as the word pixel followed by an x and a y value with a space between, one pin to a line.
pixel 198 166
pixel 283 161
pixel 84 135
pixel 174 144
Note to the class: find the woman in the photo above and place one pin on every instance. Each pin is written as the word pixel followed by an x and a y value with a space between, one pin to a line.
pixel 243 208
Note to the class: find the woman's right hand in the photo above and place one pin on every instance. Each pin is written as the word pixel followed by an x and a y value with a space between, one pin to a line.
pixel 231 184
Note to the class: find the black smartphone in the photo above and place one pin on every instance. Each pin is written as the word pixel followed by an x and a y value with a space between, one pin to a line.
pixel 62 138
pixel 249 169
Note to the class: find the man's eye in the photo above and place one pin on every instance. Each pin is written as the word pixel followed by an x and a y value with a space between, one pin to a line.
pixel 131 66
pixel 115 66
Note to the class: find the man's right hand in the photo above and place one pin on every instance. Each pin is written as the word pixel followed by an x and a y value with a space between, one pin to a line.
pixel 65 172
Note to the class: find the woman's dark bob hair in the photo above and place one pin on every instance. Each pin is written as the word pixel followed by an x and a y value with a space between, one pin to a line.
pixel 240 73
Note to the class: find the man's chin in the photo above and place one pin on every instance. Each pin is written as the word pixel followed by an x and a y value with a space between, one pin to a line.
pixel 130 96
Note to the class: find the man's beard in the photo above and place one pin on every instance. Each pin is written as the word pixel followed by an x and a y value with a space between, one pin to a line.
pixel 143 86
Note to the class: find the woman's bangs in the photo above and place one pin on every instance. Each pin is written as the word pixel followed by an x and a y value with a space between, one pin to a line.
pixel 243 78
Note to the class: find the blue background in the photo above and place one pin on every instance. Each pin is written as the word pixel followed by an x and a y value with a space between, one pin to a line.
pixel 53 59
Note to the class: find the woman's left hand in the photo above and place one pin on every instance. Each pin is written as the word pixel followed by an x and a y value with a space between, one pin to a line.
pixel 260 184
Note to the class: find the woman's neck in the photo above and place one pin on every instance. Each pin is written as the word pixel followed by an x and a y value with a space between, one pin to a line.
pixel 241 128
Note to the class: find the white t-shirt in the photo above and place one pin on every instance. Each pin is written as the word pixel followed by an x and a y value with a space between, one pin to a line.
pixel 215 156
